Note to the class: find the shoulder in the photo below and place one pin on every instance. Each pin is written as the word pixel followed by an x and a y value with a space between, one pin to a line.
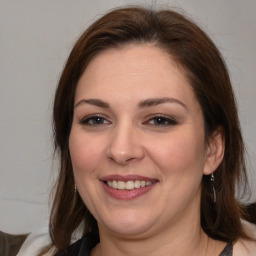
pixel 73 249
pixel 81 247
pixel 35 242
pixel 246 247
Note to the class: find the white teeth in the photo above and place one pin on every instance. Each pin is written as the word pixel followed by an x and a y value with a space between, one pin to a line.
pixel 143 183
pixel 129 185
pixel 137 184
pixel 114 184
pixel 121 184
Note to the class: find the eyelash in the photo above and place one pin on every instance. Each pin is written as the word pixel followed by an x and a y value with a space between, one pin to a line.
pixel 158 120
pixel 95 119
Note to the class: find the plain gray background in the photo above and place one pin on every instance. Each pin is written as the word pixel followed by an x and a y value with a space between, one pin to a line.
pixel 36 37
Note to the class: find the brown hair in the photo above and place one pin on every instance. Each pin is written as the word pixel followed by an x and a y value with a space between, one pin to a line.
pixel 192 50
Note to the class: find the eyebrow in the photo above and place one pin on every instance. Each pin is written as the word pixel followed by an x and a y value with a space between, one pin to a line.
pixel 158 101
pixel 145 103
pixel 95 102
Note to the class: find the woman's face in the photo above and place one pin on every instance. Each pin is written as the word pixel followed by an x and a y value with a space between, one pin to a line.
pixel 137 142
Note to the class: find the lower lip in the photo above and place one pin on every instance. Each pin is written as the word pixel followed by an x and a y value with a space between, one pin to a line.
pixel 124 194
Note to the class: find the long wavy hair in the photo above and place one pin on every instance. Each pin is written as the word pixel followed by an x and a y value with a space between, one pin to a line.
pixel 207 73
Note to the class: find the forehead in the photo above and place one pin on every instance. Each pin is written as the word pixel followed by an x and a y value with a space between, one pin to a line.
pixel 134 69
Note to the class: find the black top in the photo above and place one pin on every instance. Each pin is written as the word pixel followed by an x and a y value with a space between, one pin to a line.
pixel 228 250
pixel 84 246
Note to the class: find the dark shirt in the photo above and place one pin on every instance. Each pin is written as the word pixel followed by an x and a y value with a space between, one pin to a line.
pixel 84 246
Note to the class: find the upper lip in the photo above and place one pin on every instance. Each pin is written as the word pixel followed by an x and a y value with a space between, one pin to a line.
pixel 126 178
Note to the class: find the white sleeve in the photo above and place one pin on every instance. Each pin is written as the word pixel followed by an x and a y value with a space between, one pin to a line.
pixel 41 238
pixel 35 242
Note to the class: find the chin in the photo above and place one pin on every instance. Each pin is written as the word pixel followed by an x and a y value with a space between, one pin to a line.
pixel 135 231
pixel 129 225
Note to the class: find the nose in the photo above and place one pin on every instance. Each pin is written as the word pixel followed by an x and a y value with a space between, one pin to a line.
pixel 125 145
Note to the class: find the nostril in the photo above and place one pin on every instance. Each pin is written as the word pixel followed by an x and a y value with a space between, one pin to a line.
pixel 124 145
pixel 123 160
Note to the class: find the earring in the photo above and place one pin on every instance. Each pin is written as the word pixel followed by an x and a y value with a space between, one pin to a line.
pixel 75 188
pixel 213 188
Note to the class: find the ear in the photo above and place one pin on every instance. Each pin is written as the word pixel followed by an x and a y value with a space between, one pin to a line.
pixel 214 151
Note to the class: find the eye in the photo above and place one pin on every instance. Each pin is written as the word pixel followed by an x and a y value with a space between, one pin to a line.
pixel 94 120
pixel 162 121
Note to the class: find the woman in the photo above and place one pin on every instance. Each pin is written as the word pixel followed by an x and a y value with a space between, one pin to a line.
pixel 149 139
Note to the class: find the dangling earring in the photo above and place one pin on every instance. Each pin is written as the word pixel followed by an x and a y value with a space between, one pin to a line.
pixel 213 188
pixel 74 201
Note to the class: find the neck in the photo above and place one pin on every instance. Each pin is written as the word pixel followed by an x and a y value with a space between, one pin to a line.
pixel 182 238
pixel 188 245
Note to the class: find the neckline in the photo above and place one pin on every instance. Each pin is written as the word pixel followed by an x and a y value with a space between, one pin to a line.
pixel 228 250
pixel 90 240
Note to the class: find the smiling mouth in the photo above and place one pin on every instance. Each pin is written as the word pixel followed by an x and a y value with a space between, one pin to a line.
pixel 128 185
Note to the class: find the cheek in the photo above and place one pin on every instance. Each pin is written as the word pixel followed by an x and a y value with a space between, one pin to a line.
pixel 85 152
pixel 181 164
pixel 180 154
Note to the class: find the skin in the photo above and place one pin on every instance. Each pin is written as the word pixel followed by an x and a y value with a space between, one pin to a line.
pixel 164 142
